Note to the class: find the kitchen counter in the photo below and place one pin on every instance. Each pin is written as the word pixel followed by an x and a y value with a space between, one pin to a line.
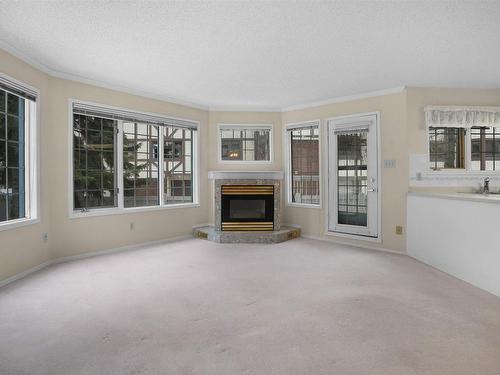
pixel 468 196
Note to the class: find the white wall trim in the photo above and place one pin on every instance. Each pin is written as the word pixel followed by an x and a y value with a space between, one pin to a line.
pixel 129 210
pixel 217 108
pixel 12 224
pixel 90 255
pixel 362 246
pixel 186 102
pixel 25 273
pixel 75 78
pixel 347 98
pixel 245 175
pixel 120 249
pixel 71 258
pixel 201 225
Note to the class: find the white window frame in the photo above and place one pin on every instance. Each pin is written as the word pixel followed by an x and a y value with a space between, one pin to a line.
pixel 328 200
pixel 455 172
pixel 288 162
pixel 229 126
pixel 120 209
pixel 31 162
pixel 465 176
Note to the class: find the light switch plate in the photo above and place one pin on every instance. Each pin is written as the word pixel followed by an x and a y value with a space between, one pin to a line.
pixel 390 163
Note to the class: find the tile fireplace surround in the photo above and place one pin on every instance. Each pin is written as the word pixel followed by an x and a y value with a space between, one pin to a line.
pixel 225 178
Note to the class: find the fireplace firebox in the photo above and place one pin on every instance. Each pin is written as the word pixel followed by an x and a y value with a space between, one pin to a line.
pixel 247 207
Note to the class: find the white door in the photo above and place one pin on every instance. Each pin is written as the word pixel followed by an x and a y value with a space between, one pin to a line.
pixel 353 182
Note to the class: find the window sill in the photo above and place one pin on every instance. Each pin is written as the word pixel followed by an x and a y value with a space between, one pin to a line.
pixel 456 174
pixel 122 211
pixel 245 161
pixel 12 224
pixel 303 205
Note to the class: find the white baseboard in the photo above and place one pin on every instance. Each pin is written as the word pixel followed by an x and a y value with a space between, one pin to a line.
pixel 363 246
pixel 25 273
pixel 119 249
pixel 202 225
pixel 90 255
pixel 164 241
pixel 291 225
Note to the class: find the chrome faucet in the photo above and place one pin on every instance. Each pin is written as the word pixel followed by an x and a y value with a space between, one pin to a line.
pixel 486 185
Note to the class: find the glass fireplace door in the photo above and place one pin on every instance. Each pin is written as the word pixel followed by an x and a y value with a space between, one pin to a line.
pixel 353 175
pixel 247 207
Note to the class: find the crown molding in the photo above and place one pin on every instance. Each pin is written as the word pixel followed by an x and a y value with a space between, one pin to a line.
pixel 245 109
pixel 184 102
pixel 76 78
pixel 348 98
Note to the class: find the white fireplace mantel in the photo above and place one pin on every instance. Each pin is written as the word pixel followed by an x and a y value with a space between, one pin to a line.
pixel 246 175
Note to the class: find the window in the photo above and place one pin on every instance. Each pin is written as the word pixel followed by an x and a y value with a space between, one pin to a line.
pixel 94 160
pixel 245 143
pixel 304 182
pixel 140 164
pixel 465 138
pixel 352 178
pixel 446 148
pixel 178 165
pixel 117 159
pixel 17 152
pixel 485 149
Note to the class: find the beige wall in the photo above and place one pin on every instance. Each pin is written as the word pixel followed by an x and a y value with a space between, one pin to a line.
pixel 24 248
pixel 79 235
pixel 394 181
pixel 402 131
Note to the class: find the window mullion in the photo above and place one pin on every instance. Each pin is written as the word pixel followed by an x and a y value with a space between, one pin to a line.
pixel 161 163
pixel 27 158
pixel 290 166
pixel 119 164
pixel 468 149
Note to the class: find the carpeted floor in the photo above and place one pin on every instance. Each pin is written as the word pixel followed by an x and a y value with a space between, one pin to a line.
pixel 196 307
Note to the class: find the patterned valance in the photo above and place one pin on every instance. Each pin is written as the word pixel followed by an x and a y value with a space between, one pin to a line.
pixel 462 116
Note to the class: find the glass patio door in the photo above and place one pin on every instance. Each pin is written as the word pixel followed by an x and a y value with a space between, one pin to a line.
pixel 353 175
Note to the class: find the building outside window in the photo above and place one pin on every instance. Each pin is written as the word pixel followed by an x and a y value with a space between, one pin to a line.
pixel 140 164
pixel 18 152
pixel 485 149
pixel 245 143
pixel 447 148
pixel 303 151
pixel 178 165
pixel 117 159
pixel 466 138
pixel 94 160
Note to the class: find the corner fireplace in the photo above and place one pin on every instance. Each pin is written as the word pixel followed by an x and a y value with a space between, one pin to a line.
pixel 247 207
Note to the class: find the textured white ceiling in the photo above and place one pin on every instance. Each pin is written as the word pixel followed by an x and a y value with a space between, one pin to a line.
pixel 260 54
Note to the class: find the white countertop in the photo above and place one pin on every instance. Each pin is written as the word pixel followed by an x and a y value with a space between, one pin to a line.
pixel 474 197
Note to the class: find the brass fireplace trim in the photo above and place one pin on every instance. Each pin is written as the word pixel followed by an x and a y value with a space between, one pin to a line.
pixel 248 226
pixel 247 189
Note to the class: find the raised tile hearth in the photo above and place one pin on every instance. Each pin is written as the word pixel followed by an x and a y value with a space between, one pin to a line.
pixel 247 208
pixel 276 236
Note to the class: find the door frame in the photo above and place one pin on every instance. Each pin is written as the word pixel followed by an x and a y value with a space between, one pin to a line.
pixel 327 180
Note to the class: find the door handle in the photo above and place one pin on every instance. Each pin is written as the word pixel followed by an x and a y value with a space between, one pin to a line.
pixel 371 190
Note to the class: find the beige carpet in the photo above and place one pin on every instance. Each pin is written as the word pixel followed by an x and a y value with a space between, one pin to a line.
pixel 195 307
